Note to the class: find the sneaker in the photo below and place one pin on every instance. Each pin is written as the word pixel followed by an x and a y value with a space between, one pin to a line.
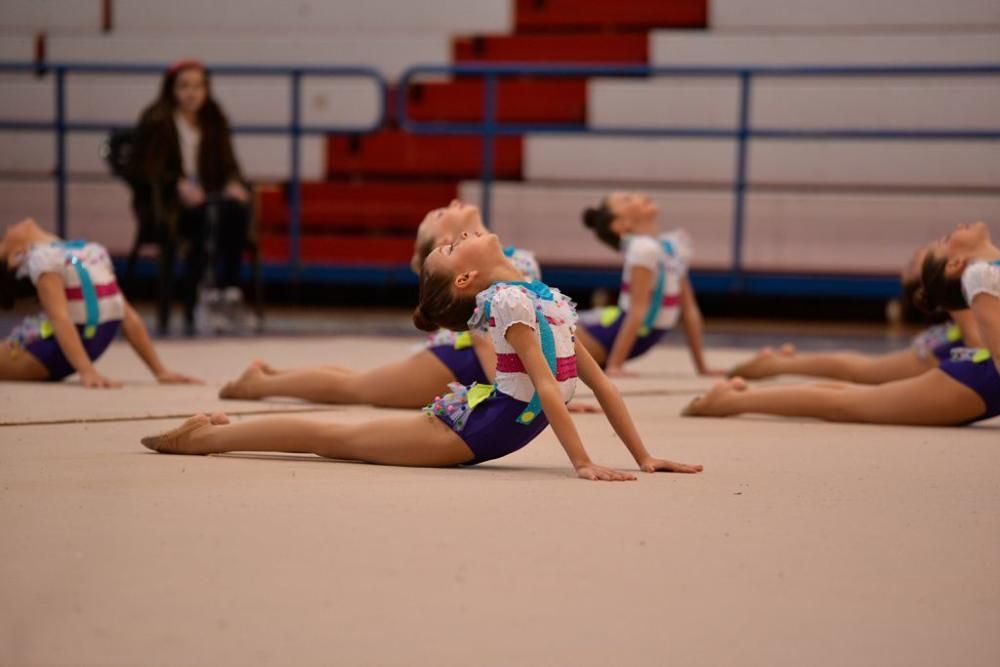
pixel 206 314
pixel 233 310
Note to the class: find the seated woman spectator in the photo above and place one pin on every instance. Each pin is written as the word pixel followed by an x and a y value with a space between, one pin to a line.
pixel 184 153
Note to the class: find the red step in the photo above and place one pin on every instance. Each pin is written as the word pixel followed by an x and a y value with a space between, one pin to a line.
pixel 339 249
pixel 355 205
pixel 518 100
pixel 619 48
pixel 394 153
pixel 546 15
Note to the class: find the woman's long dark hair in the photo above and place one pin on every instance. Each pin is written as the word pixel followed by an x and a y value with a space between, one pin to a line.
pixel 216 160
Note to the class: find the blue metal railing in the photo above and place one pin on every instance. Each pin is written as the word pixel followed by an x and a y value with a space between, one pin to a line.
pixel 294 129
pixel 742 131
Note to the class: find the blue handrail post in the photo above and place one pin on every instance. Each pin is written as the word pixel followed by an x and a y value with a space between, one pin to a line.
pixel 489 130
pixel 294 184
pixel 60 166
pixel 739 183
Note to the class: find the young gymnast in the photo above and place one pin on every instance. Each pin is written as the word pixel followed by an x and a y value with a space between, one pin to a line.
pixel 468 284
pixel 927 350
pixel 655 290
pixel 83 310
pixel 963 269
pixel 412 382
pixel 963 389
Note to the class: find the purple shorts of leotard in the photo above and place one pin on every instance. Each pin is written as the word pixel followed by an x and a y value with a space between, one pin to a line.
pixel 942 352
pixel 48 352
pixel 492 430
pixel 981 377
pixel 606 334
pixel 463 364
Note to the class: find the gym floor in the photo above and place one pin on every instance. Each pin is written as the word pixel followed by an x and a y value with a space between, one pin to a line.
pixel 802 543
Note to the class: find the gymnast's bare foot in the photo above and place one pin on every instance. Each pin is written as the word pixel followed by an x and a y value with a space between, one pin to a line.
pixel 764 364
pixel 246 385
pixel 265 367
pixel 711 404
pixel 188 438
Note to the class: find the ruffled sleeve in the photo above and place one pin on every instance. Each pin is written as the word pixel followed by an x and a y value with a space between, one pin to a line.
pixel 643 251
pixel 981 278
pixel 509 306
pixel 561 310
pixel 39 259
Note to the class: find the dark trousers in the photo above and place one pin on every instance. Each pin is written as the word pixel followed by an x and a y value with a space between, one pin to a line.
pixel 229 220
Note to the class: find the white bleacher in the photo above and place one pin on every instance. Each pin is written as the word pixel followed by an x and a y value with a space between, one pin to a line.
pixel 973 46
pixel 866 164
pixel 836 233
pixel 852 233
pixel 28 16
pixel 854 102
pixel 873 164
pixel 98 211
pixel 615 159
pixel 969 102
pixel 389 52
pixel 829 15
pixel 442 16
pixel 16 47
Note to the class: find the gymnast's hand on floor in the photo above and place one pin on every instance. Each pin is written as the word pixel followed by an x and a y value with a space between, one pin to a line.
pixel 170 377
pixel 91 379
pixel 594 472
pixel 662 465
pixel 619 372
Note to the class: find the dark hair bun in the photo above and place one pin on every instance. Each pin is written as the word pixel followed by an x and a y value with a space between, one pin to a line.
pixel 422 323
pixel 599 219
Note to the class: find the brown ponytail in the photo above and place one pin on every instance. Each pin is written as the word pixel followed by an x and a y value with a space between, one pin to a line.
pixel 599 221
pixel 439 305
pixel 12 288
pixel 421 322
pixel 937 291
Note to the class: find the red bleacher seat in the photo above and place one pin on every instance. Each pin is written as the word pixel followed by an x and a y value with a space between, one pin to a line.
pixel 395 154
pixel 355 205
pixel 518 100
pixel 339 249
pixel 584 48
pixel 552 15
